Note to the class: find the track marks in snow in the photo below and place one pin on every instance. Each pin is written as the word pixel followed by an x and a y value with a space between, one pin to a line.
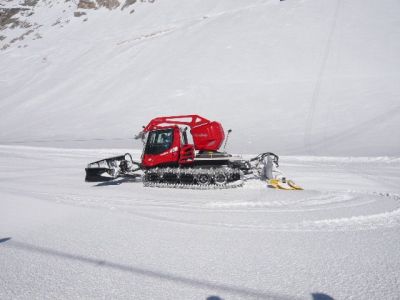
pixel 320 201
pixel 315 96
pixel 313 211
pixel 52 175
pixel 199 20
pixel 148 36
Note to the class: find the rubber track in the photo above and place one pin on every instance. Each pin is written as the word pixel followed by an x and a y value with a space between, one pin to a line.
pixel 194 172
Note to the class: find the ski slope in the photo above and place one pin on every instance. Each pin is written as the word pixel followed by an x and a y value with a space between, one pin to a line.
pixel 64 238
pixel 292 77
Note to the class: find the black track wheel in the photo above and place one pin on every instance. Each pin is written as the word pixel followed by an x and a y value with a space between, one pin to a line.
pixel 220 179
pixel 203 179
pixel 152 177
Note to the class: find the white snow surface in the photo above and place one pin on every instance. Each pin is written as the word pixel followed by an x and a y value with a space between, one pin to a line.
pixel 316 81
pixel 63 238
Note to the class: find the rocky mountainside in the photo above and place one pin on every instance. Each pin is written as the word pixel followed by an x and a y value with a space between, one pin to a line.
pixel 18 22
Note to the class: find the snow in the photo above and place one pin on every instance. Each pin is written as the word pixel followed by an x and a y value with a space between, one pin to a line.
pixel 314 81
pixel 293 77
pixel 71 239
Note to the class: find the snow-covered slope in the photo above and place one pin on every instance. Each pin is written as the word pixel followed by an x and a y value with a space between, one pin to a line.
pixel 293 77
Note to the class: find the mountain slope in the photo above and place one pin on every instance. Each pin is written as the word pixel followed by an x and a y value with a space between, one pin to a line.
pixel 294 77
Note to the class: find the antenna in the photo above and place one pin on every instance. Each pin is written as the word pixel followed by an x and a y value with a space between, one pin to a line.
pixel 227 137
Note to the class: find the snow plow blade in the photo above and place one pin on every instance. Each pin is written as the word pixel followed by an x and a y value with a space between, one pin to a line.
pixel 98 174
pixel 110 168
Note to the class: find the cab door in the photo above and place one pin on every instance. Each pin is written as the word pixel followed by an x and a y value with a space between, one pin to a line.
pixel 187 152
pixel 162 147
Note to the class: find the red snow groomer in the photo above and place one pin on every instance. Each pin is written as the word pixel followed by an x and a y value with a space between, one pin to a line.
pixel 168 143
pixel 183 151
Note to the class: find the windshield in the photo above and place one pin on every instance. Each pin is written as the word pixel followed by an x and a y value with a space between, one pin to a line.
pixel 159 141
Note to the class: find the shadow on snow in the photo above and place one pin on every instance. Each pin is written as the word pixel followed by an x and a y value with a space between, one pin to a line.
pixel 156 275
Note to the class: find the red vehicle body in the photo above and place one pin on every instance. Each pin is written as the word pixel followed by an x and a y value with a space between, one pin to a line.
pixel 167 143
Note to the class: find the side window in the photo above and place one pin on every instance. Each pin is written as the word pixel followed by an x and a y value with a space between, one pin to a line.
pixel 186 137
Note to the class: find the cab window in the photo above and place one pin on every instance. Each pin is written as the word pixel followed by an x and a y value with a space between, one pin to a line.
pixel 159 141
